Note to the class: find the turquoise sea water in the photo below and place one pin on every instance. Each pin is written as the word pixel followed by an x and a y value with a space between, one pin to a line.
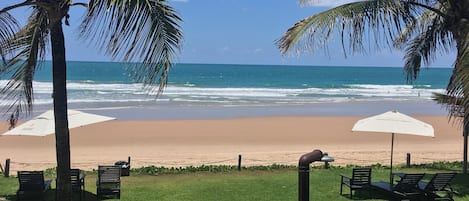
pixel 104 85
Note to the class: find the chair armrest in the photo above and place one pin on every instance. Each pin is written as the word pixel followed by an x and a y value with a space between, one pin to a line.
pixel 451 190
pixel 399 174
pixel 346 176
pixel 399 193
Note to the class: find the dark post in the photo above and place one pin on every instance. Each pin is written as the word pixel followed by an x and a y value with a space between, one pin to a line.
pixel 407 164
pixel 7 168
pixel 303 173
pixel 239 162
pixel 465 132
pixel 128 160
pixel 464 161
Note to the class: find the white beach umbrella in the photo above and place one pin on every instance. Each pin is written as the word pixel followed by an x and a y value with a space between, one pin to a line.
pixel 43 124
pixel 394 122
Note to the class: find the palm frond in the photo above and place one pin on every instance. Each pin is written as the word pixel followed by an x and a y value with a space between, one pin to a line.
pixel 412 28
pixel 314 2
pixel 458 86
pixel 29 46
pixel 453 104
pixel 145 31
pixel 377 22
pixel 8 27
pixel 433 36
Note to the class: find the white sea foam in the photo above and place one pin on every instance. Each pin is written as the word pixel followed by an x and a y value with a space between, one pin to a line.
pixel 91 92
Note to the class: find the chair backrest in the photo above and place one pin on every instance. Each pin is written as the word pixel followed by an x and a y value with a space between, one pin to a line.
pixel 31 180
pixel 109 174
pixel 409 182
pixel 75 177
pixel 439 181
pixel 361 176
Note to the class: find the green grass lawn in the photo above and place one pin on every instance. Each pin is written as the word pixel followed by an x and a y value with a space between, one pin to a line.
pixel 253 184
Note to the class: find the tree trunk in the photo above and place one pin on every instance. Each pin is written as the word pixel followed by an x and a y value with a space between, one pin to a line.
pixel 62 138
pixel 460 31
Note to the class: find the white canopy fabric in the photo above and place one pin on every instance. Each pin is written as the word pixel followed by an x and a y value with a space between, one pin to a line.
pixel 394 122
pixel 43 124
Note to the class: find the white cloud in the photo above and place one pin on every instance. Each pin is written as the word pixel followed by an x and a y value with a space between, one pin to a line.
pixel 258 50
pixel 181 1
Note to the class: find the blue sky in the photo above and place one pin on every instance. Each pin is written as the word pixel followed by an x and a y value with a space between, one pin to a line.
pixel 238 32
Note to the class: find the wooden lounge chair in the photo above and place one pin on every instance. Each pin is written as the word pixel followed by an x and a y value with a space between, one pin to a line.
pixel 438 184
pixel 108 181
pixel 361 178
pixel 78 181
pixel 32 185
pixel 406 187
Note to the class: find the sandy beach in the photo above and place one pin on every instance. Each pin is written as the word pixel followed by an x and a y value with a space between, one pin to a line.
pixel 260 141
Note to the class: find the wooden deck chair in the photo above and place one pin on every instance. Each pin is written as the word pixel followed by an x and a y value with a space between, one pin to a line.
pixel 361 178
pixel 438 184
pixel 77 178
pixel 32 185
pixel 108 182
pixel 406 187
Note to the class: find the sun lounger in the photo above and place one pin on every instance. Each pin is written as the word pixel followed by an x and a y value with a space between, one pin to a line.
pixel 406 187
pixel 32 185
pixel 108 181
pixel 78 181
pixel 438 188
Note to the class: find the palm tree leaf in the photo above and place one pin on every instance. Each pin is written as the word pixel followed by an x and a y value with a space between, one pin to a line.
pixel 412 28
pixel 146 31
pixel 29 44
pixel 8 27
pixel 458 86
pixel 453 104
pixel 378 22
pixel 432 37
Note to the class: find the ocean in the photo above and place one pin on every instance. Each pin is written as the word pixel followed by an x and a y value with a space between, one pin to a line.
pixel 224 90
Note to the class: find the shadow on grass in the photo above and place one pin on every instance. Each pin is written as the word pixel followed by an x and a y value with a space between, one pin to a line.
pixel 369 194
pixel 380 194
pixel 461 184
pixel 385 195
pixel 50 196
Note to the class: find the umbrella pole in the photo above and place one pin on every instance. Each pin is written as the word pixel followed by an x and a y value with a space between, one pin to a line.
pixel 392 150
